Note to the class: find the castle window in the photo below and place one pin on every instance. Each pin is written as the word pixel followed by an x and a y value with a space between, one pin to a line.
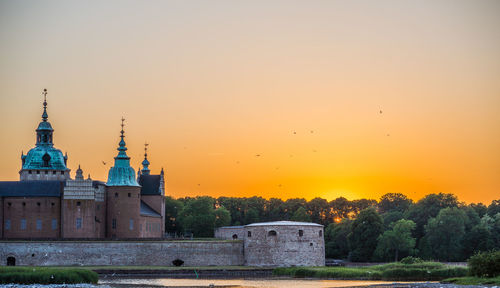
pixel 272 233
pixel 62 172
pixel 301 233
pixel 24 203
pixel 7 224
pixel 46 172
pixel 78 203
pixel 235 236
pixel 131 224
pixel 54 224
pixel 320 233
pixel 9 204
pixel 116 195
pixel 38 224
pixel 46 160
pixel 23 224
pixel 53 172
pixel 29 171
pixel 129 195
pixel 78 223
pixel 98 207
pixel 52 203
pixel 249 234
pixel 37 171
pixel 310 244
pixel 113 225
pixel 38 204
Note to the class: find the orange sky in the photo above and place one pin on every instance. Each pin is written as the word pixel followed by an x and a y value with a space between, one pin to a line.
pixel 212 84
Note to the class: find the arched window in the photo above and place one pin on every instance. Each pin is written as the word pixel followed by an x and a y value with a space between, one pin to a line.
pixel 272 233
pixel 235 236
pixel 11 261
pixel 249 234
pixel 320 233
pixel 46 160
pixel 301 233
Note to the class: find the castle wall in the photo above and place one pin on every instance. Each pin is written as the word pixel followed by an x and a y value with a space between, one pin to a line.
pixel 46 174
pixel 123 212
pixel 78 218
pixel 100 219
pixel 150 227
pixel 228 233
pixel 285 247
pixel 150 253
pixel 32 217
pixel 157 202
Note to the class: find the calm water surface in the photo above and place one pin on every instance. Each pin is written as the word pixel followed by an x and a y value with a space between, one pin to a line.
pixel 247 283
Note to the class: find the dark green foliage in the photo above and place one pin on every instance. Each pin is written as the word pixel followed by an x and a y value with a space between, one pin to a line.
pixel 172 210
pixel 364 234
pixel 494 208
pixel 336 242
pixel 427 271
pixel 42 275
pixel 340 207
pixel 394 202
pixel 395 241
pixel 478 239
pixel 485 264
pixel 411 260
pixel 222 217
pixel 445 232
pixel 429 207
pixel 198 216
pixel 301 215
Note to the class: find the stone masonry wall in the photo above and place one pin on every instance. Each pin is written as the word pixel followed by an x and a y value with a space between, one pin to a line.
pixel 150 253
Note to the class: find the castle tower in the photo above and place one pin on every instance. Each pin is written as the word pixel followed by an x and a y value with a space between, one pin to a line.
pixel 122 196
pixel 44 162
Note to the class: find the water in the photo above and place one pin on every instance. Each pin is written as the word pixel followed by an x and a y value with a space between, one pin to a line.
pixel 240 283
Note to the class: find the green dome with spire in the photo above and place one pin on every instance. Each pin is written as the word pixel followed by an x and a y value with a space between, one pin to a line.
pixel 121 174
pixel 44 156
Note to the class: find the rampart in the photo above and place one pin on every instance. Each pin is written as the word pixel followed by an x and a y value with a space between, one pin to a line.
pixel 116 253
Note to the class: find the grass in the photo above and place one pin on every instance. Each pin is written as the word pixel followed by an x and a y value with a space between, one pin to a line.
pixel 473 281
pixel 44 275
pixel 161 267
pixel 426 271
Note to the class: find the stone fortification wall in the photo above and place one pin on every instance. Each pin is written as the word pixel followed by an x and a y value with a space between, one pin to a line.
pixel 230 233
pixel 284 244
pixel 150 253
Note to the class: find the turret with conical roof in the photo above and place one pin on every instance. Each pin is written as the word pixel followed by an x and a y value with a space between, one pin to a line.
pixel 121 174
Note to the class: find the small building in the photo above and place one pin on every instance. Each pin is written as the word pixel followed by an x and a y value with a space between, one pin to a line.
pixel 279 243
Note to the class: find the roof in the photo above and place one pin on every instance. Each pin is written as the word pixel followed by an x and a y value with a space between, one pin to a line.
pixel 150 184
pixel 284 223
pixel 31 188
pixel 231 227
pixel 34 160
pixel 148 211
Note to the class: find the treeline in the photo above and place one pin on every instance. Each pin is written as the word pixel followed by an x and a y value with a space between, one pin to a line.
pixel 436 227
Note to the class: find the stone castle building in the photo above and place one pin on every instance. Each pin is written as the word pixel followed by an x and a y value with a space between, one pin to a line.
pixel 47 204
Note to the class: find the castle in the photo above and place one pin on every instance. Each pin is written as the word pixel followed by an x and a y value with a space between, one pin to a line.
pixel 47 204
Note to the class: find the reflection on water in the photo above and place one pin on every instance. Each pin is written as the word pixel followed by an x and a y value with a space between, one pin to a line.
pixel 247 283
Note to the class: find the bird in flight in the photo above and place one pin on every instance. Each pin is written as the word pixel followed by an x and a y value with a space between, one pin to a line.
pixel 103 162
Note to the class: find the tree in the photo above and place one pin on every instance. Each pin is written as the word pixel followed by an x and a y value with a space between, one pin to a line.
pixel 365 231
pixel 274 210
pixel 319 211
pixel 251 216
pixel 301 215
pixel 172 210
pixel 358 205
pixel 445 232
pixel 340 207
pixel 222 217
pixel 336 242
pixel 480 208
pixel 396 240
pixel 494 208
pixel 291 205
pixel 429 207
pixel 198 216
pixel 391 217
pixel 477 240
pixel 391 202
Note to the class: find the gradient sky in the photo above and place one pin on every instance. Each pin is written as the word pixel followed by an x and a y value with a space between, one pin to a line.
pixel 212 84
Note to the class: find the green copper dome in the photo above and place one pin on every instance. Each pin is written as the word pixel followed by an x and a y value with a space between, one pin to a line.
pixel 122 174
pixel 44 156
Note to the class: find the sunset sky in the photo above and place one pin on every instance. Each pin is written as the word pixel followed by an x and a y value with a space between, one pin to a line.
pixel 268 98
